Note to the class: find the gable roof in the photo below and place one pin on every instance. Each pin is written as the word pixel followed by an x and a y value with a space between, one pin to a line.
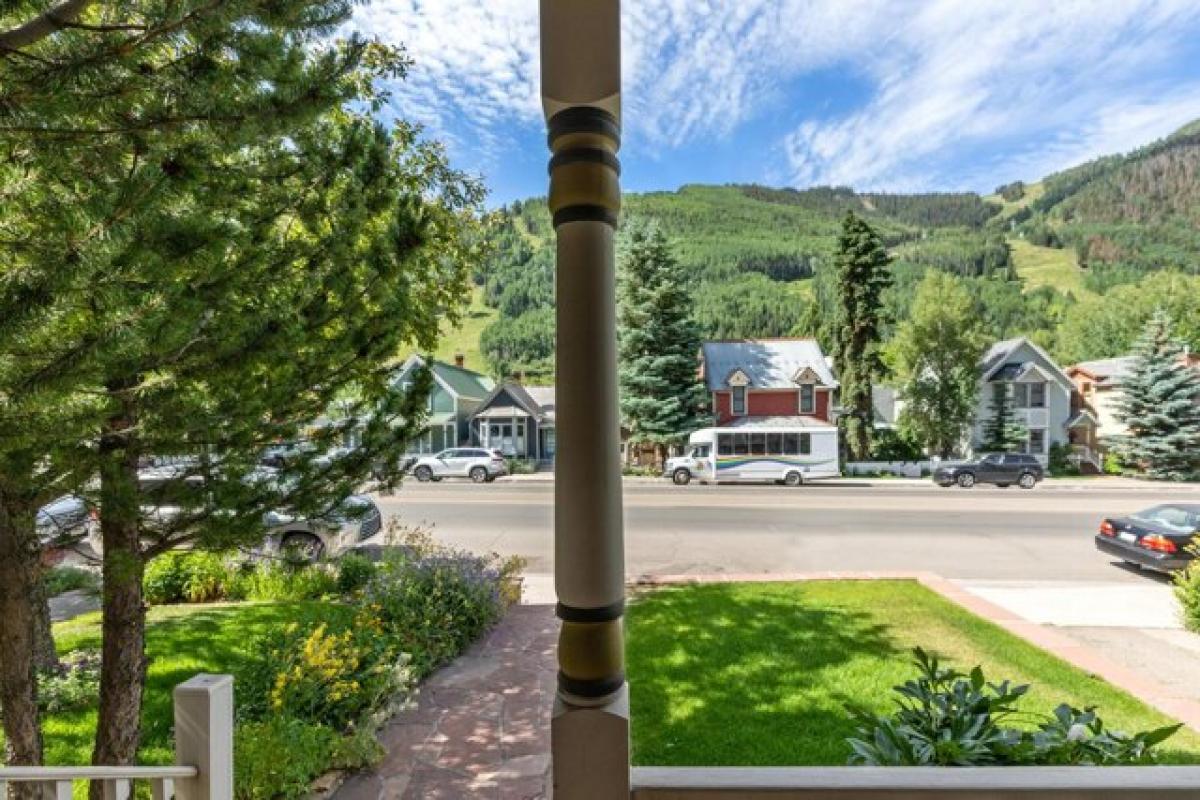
pixel 537 401
pixel 1107 372
pixel 1003 362
pixel 768 363
pixel 459 381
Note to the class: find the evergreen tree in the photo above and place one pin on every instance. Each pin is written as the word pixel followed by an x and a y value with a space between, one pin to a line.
pixel 204 248
pixel 862 276
pixel 662 398
pixel 935 356
pixel 1001 432
pixel 1160 405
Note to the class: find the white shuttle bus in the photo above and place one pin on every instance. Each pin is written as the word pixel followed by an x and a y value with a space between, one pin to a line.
pixel 789 455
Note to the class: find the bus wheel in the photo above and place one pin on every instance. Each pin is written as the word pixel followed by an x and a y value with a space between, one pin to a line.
pixel 681 477
pixel 793 479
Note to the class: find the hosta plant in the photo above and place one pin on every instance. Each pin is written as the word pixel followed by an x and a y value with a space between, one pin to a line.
pixel 950 719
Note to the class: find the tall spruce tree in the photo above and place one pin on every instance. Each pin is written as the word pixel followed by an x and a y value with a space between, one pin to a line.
pixel 862 276
pixel 935 356
pixel 662 398
pixel 1001 432
pixel 204 247
pixel 1160 405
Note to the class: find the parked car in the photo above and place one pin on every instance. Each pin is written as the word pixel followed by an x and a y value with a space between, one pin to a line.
pixel 1156 538
pixel 461 462
pixel 1002 469
pixel 64 522
pixel 170 490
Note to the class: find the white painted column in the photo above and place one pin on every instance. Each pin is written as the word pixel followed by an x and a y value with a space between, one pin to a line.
pixel 204 737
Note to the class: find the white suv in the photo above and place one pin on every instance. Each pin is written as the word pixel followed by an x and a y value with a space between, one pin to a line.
pixel 475 463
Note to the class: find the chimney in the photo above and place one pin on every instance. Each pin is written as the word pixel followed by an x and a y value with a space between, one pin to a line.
pixel 460 360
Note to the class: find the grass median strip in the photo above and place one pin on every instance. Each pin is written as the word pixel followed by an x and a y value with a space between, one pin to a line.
pixel 759 674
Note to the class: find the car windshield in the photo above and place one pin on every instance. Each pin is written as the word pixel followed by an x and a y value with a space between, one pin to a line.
pixel 1180 518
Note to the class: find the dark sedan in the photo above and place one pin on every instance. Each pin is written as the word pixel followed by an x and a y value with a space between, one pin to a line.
pixel 1157 538
pixel 1002 469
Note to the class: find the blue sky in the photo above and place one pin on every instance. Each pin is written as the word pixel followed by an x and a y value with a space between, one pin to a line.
pixel 877 94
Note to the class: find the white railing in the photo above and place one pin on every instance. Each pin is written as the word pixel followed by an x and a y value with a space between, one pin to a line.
pixel 915 783
pixel 1081 453
pixel 203 754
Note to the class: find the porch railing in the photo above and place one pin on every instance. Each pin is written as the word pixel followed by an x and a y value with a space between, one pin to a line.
pixel 1082 454
pixel 203 754
pixel 915 783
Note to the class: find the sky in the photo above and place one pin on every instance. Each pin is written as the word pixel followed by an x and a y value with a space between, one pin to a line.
pixel 880 95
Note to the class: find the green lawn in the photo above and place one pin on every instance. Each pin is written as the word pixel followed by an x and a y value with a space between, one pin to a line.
pixel 465 338
pixel 759 674
pixel 1048 266
pixel 1032 192
pixel 180 642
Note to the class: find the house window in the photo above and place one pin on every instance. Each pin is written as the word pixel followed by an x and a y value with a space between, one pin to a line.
pixel 739 400
pixel 808 399
pixel 1020 395
pixel 1037 395
pixel 1037 441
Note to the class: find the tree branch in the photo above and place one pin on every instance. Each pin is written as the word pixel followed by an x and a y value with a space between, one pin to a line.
pixel 52 21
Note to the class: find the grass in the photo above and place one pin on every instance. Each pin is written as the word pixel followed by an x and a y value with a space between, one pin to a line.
pixel 1048 266
pixel 180 642
pixel 67 579
pixel 465 338
pixel 1032 192
pixel 759 674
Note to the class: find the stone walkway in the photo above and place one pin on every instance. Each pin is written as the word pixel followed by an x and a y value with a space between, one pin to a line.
pixel 481 726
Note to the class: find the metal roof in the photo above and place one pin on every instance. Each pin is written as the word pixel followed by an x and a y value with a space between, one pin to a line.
pixel 1108 371
pixel 768 363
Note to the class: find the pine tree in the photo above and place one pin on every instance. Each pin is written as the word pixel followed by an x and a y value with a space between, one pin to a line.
pixel 934 356
pixel 1001 432
pixel 199 259
pixel 862 276
pixel 1160 405
pixel 662 398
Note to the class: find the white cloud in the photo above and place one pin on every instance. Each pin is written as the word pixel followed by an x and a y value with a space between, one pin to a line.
pixel 945 77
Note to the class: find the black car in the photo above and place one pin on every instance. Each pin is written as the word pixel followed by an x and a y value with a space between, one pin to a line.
pixel 1156 538
pixel 1002 469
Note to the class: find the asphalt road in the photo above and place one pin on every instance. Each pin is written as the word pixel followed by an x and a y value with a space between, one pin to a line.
pixel 978 534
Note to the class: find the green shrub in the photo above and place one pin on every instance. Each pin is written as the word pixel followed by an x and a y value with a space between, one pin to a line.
pixel 1058 461
pixel 275 581
pixel 66 579
pixel 71 686
pixel 520 466
pixel 279 758
pixel 194 576
pixel 949 719
pixel 1187 591
pixel 353 572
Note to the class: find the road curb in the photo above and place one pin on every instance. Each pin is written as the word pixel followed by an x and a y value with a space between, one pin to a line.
pixel 1150 692
pixel 1052 485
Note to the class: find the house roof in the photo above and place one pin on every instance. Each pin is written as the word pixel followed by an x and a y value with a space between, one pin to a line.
pixel 544 396
pixel 1003 361
pixel 459 381
pixel 535 401
pixel 767 363
pixel 1107 372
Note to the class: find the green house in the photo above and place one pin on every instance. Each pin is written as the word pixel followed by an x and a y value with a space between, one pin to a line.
pixel 457 393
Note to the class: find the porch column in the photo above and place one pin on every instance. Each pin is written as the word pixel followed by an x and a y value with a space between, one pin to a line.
pixel 581 77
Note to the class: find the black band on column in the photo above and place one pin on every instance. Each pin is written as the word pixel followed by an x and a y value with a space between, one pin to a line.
pixel 584 119
pixel 604 614
pixel 589 155
pixel 585 214
pixel 598 687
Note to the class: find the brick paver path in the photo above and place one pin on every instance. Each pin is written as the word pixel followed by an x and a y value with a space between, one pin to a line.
pixel 481 726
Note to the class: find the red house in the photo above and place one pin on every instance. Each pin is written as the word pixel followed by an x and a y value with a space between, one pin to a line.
pixel 753 380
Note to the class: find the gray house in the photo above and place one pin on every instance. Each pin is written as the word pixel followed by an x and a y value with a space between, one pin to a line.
pixel 457 393
pixel 516 420
pixel 1039 389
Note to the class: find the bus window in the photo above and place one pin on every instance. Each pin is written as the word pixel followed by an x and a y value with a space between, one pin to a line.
pixel 805 443
pixel 725 444
pixel 774 444
pixel 791 444
pixel 741 444
pixel 758 444
pixel 702 451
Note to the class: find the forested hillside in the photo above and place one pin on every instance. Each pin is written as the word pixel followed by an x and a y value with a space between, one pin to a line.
pixel 1077 262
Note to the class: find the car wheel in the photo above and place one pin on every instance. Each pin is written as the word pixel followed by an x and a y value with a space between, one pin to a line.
pixel 303 546
pixel 681 477
pixel 1027 480
pixel 423 474
pixel 478 474
pixel 966 480
pixel 793 479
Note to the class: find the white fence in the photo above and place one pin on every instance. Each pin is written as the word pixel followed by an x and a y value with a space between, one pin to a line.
pixel 901 469
pixel 203 754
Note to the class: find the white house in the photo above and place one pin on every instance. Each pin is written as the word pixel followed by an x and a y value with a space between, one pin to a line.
pixel 1040 393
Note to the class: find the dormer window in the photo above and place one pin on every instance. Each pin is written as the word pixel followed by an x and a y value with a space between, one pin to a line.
pixel 739 400
pixel 808 398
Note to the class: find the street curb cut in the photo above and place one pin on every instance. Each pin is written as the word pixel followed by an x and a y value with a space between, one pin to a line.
pixel 1081 656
